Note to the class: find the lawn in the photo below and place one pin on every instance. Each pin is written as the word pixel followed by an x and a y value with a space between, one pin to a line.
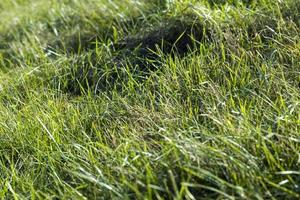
pixel 150 99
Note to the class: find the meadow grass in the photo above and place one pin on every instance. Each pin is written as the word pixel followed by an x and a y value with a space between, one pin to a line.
pixel 155 99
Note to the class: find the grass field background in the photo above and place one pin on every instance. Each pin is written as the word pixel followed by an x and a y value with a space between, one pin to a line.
pixel 149 99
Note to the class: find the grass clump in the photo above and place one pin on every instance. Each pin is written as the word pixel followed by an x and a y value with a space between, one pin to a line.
pixel 149 100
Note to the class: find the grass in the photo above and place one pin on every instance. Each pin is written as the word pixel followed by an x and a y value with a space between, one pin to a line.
pixel 149 99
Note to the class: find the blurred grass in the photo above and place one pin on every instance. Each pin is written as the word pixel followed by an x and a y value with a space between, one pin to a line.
pixel 81 118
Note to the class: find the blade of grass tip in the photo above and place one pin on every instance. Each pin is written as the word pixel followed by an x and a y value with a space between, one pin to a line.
pixel 15 195
pixel 288 172
pixel 89 177
pixel 173 181
pixel 177 40
pixel 277 186
pixel 208 188
pixel 48 132
pixel 205 174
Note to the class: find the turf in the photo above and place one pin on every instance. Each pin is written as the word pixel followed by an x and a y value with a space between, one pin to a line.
pixel 156 99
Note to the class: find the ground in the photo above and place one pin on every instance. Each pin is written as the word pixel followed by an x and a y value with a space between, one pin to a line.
pixel 149 99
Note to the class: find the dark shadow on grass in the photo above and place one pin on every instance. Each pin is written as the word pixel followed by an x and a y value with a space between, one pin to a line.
pixel 7 56
pixel 173 36
pixel 137 55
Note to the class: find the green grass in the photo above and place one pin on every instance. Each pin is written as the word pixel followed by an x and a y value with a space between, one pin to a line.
pixel 155 99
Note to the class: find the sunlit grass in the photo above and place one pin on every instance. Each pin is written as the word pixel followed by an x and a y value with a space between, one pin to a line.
pixel 93 107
